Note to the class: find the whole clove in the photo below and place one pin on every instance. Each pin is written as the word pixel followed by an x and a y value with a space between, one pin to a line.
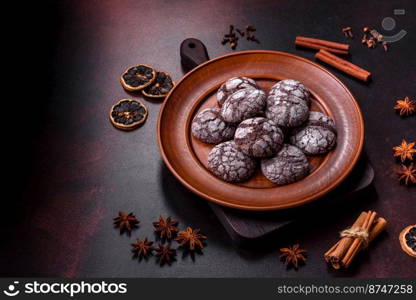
pixel 242 33
pixel 348 32
pixel 232 38
pixel 385 46
pixel 250 28
pixel 371 43
pixel 374 33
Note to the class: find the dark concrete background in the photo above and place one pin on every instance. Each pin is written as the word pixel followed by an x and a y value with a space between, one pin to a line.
pixel 69 171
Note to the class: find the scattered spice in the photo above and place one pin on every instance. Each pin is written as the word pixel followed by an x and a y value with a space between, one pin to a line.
pixel 191 239
pixel 405 106
pixel 250 28
pixel 293 255
pixel 385 46
pixel 125 222
pixel 364 39
pixel 404 150
pixel 371 43
pixel 407 174
pixel 348 32
pixel 354 239
pixel 232 39
pixel 166 228
pixel 165 254
pixel 376 35
pixel 142 248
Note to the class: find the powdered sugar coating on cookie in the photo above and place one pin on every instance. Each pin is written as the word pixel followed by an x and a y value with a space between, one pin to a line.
pixel 286 110
pixel 232 85
pixel 258 137
pixel 209 127
pixel 243 104
pixel 317 136
pixel 288 166
pixel 291 87
pixel 229 163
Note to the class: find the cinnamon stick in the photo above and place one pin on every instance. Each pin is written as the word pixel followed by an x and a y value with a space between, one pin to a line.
pixel 343 65
pixel 345 250
pixel 319 47
pixel 357 243
pixel 318 44
pixel 338 251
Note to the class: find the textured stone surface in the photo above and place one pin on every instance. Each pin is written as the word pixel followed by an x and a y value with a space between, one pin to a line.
pixel 258 137
pixel 243 104
pixel 286 110
pixel 291 87
pixel 209 127
pixel 229 163
pixel 317 136
pixel 288 166
pixel 232 85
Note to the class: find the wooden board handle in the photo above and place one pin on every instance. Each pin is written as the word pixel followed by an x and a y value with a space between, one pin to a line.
pixel 193 53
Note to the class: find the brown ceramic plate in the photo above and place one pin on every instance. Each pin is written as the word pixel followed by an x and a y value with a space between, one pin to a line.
pixel 186 157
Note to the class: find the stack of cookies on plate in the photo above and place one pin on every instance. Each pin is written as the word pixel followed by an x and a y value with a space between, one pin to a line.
pixel 276 130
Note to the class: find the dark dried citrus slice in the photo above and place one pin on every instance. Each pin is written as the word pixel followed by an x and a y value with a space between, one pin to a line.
pixel 127 114
pixel 408 240
pixel 160 87
pixel 137 77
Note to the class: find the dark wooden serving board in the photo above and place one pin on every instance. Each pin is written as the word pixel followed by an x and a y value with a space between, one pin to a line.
pixel 245 226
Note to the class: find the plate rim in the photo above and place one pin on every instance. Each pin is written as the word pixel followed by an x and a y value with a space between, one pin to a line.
pixel 319 194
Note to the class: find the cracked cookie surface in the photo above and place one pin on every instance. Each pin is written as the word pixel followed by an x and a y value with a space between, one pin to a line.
pixel 317 136
pixel 286 110
pixel 209 127
pixel 229 163
pixel 232 85
pixel 289 165
pixel 291 87
pixel 243 104
pixel 258 137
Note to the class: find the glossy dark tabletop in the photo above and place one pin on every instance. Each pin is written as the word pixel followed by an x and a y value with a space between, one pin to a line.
pixel 70 171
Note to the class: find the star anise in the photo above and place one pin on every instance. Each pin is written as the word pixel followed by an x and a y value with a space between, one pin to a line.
pixel 405 106
pixel 166 228
pixel 142 248
pixel 408 174
pixel 405 150
pixel 125 222
pixel 293 255
pixel 165 254
pixel 191 239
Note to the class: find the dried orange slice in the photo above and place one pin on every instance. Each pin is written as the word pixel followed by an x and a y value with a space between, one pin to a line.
pixel 127 114
pixel 408 240
pixel 160 87
pixel 137 77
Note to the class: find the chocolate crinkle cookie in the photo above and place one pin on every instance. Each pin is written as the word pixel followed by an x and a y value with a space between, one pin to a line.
pixel 232 85
pixel 209 127
pixel 258 137
pixel 229 163
pixel 243 104
pixel 289 165
pixel 291 87
pixel 317 136
pixel 287 110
